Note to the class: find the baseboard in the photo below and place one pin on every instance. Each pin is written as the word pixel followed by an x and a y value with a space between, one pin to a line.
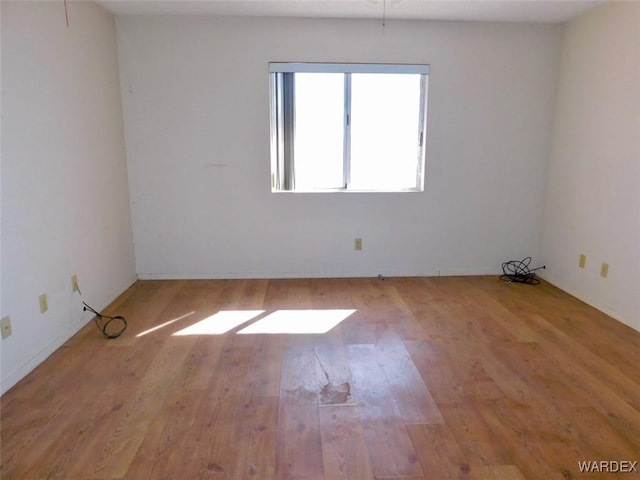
pixel 14 377
pixel 606 309
pixel 17 375
pixel 454 272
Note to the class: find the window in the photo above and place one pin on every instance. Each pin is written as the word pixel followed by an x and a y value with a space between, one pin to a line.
pixel 347 127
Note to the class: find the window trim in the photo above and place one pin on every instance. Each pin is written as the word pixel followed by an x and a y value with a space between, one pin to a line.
pixel 292 67
pixel 283 120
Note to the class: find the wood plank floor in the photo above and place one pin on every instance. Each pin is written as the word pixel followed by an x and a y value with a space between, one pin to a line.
pixel 401 378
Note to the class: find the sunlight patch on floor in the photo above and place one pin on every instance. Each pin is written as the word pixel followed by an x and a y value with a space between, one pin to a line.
pixel 297 322
pixel 220 322
pixel 165 324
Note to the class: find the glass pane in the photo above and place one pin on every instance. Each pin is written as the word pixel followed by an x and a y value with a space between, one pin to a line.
pixel 319 130
pixel 385 119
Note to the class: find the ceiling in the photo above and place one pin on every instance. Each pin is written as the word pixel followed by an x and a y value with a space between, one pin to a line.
pixel 546 11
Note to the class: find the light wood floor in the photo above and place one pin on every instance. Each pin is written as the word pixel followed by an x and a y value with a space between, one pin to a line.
pixel 429 378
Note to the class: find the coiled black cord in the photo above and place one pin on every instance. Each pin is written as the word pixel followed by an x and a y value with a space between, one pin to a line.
pixel 104 328
pixel 518 271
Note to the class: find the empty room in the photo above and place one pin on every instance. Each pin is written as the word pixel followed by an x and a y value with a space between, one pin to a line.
pixel 297 239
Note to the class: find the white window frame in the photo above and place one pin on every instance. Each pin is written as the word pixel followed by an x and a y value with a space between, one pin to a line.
pixel 283 118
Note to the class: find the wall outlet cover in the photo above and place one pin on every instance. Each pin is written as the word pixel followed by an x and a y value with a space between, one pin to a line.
pixel 5 326
pixel 44 305
pixel 582 262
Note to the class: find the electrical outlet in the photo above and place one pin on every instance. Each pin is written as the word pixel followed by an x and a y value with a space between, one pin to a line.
pixel 5 326
pixel 74 283
pixel 583 261
pixel 604 270
pixel 357 244
pixel 44 305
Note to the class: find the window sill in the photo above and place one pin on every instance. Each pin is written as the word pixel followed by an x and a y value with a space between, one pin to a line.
pixel 345 191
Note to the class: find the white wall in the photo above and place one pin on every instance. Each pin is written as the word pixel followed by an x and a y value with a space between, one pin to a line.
pixel 65 202
pixel 1 209
pixel 593 199
pixel 195 96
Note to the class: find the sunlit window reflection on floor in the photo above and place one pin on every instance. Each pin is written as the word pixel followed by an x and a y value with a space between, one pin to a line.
pixel 165 324
pixel 297 322
pixel 220 323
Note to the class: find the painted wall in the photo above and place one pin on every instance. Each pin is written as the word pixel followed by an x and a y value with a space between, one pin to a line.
pixel 593 199
pixel 195 97
pixel 65 201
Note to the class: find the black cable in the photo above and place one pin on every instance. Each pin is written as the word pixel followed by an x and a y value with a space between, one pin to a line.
pixel 104 328
pixel 518 271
